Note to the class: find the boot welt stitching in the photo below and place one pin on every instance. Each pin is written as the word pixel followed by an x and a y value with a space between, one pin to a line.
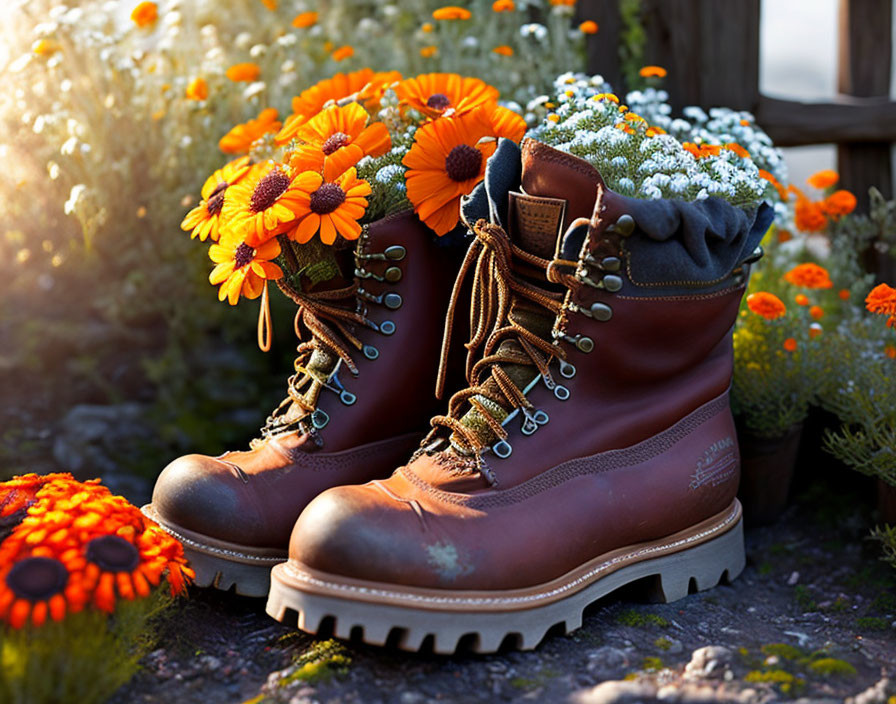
pixel 571 586
pixel 202 547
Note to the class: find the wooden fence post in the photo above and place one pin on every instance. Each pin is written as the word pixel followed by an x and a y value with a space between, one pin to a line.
pixel 865 57
pixel 602 49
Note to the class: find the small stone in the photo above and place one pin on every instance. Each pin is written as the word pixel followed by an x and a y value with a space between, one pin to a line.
pixel 708 662
pixel 410 697
pixel 210 663
pixel 793 579
pixel 616 692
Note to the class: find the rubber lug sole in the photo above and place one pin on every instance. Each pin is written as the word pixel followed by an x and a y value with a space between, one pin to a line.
pixel 221 565
pixel 674 576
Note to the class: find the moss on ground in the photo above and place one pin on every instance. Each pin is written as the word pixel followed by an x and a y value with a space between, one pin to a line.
pixel 872 623
pixel 636 619
pixel 782 650
pixel 785 682
pixel 663 643
pixel 319 663
pixel 832 667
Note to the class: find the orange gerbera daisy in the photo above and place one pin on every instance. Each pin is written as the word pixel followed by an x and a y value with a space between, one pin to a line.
pixel 365 86
pixel 652 72
pixel 823 179
pixel 264 203
pixel 882 300
pixel 204 219
pixel 337 138
pixel 767 305
pixel 244 72
pixel 331 207
pixel 506 123
pixel 809 275
pixel 242 269
pixel 446 162
pixel 77 545
pixel 241 137
pixel 437 94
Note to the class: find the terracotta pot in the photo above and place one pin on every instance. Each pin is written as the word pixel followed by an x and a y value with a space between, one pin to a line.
pixel 767 468
pixel 886 502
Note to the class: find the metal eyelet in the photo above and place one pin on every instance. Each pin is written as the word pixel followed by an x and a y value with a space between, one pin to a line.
pixel 394 253
pixel 502 449
pixel 612 264
pixel 319 418
pixel 370 352
pixel 392 301
pixel 387 327
pixel 533 421
pixel 601 312
pixel 561 392
pixel 612 283
pixel 567 370
pixel 347 397
pixel 624 226
pixel 393 274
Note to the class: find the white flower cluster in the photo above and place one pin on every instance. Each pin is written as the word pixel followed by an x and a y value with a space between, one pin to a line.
pixel 643 152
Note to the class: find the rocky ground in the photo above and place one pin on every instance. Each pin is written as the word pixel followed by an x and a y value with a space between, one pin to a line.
pixel 812 618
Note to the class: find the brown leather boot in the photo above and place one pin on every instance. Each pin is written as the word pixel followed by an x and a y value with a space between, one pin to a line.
pixel 353 412
pixel 594 446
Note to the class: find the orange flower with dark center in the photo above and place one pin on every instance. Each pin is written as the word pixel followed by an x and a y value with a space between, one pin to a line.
pixel 839 203
pixel 331 207
pixel 809 216
pixel 145 14
pixel 365 86
pixel 451 12
pixel 244 72
pixel 337 138
pixel 204 219
pixel 445 163
pixel 767 305
pixel 435 94
pixel 78 545
pixel 823 179
pixel 809 275
pixel 652 72
pixel 241 269
pixel 304 19
pixel 881 300
pixel 241 137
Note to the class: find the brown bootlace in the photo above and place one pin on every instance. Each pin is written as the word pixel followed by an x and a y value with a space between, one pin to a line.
pixel 330 329
pixel 495 284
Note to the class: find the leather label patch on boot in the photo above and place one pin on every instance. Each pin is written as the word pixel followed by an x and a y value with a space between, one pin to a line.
pixel 717 465
pixel 535 221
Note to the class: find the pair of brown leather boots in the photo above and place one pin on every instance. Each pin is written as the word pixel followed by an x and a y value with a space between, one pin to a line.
pixel 591 445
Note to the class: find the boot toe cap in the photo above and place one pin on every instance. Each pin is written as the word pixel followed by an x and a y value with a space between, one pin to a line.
pixel 202 495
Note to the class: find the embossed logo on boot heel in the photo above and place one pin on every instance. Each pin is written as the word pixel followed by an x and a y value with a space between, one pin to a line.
pixel 717 465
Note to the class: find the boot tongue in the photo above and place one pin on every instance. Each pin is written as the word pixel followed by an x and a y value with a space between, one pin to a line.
pixel 556 188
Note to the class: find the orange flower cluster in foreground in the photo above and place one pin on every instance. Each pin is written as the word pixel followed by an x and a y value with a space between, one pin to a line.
pixel 767 305
pixel 882 301
pixel 312 187
pixel 72 545
pixel 814 215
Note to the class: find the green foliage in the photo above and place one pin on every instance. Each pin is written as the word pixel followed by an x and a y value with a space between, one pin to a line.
pixel 832 667
pixel 804 598
pixel 632 42
pixel 663 643
pixel 782 650
pixel 652 664
pixel 319 663
pixel 82 659
pixel 637 619
pixel 872 623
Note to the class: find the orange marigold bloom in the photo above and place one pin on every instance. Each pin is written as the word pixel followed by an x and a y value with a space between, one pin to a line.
pixel 264 203
pixel 767 305
pixel 809 216
pixel 337 138
pixel 817 312
pixel 445 163
pixel 790 344
pixel 204 219
pixel 701 151
pixel 503 50
pixel 844 294
pixel 304 19
pixel 145 14
pixel 801 299
pixel 782 192
pixel 72 544
pixel 241 268
pixel 737 149
pixel 427 27
pixel 881 300
pixel 244 72
pixel 890 351
pixel 241 137
pixel 451 12
pixel 435 94
pixel 652 72
pixel 588 27
pixel 342 53
pixel 815 330
pixel 823 179
pixel 197 89
pixel 427 52
pixel 809 275
pixel 331 207
pixel 784 236
pixel 839 203
pixel 365 85
pixel 503 6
